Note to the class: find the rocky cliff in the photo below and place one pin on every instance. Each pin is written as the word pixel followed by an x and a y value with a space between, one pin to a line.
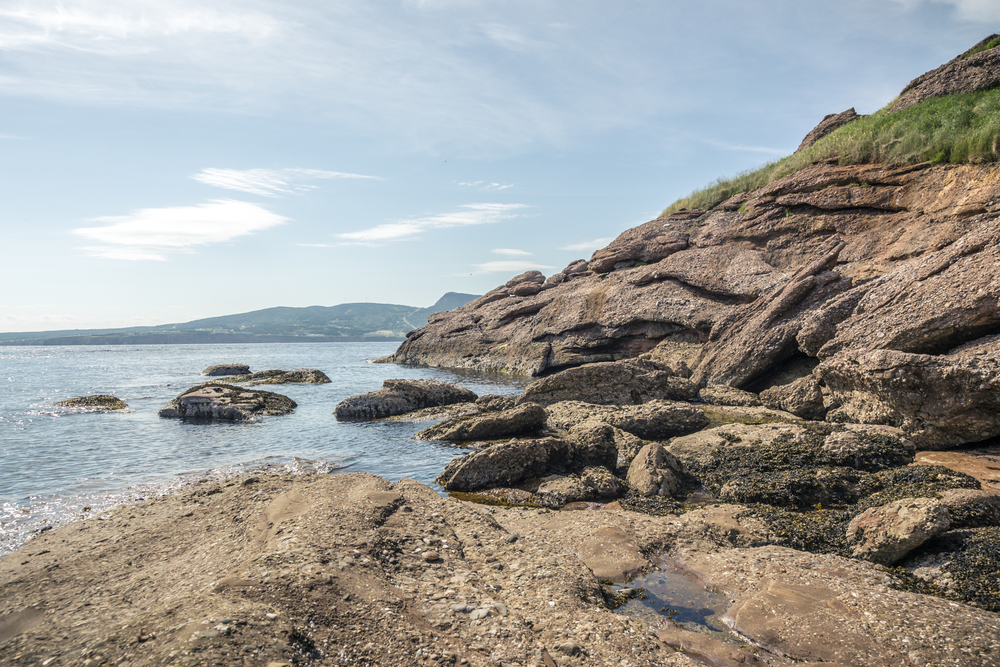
pixel 873 284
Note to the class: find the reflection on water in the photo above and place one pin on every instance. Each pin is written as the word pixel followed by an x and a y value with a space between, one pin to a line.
pixel 676 594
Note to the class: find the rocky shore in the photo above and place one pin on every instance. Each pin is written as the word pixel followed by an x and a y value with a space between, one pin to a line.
pixel 790 398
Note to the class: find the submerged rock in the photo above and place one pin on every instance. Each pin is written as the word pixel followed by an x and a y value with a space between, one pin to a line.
pixel 398 397
pixel 301 375
pixel 225 402
pixel 97 402
pixel 521 420
pixel 226 369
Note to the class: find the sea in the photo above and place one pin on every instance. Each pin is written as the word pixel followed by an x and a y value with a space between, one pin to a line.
pixel 59 465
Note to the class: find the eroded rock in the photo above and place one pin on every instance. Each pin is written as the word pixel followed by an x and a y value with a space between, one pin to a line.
pixel 627 382
pixel 226 369
pixel 889 532
pixel 225 402
pixel 96 402
pixel 523 419
pixel 655 472
pixel 301 375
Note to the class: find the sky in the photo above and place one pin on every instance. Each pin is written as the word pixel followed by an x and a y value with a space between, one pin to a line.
pixel 167 161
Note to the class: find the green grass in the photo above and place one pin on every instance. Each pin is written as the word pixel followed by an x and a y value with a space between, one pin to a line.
pixel 954 129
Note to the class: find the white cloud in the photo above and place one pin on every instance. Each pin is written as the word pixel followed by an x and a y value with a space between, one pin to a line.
pixel 510 252
pixel 509 266
pixel 587 245
pixel 490 187
pixel 268 182
pixel 155 233
pixel 472 214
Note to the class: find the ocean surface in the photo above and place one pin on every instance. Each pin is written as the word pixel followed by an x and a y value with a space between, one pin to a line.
pixel 59 465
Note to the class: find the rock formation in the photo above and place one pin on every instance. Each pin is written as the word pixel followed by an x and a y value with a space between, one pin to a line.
pixel 94 403
pixel 226 369
pixel 226 402
pixel 301 375
pixel 398 397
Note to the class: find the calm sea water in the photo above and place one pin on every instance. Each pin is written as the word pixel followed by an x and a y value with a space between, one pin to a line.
pixel 58 465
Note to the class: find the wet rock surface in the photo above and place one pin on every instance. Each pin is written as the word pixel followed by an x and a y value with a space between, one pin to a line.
pixel 96 402
pixel 301 375
pixel 216 401
pixel 398 397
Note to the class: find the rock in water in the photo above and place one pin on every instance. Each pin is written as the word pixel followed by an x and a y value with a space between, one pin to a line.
pixel 302 375
pixel 226 369
pixel 397 397
pixel 225 402
pixel 97 402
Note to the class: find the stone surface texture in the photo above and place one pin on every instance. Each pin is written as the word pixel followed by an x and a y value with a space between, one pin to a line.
pixel 889 532
pixel 398 397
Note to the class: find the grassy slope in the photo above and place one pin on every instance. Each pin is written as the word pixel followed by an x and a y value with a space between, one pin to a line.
pixel 955 129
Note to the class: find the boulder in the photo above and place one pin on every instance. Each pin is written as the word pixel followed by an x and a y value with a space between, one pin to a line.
pixel 887 533
pixel 94 403
pixel 592 431
pixel 523 419
pixel 803 398
pixel 301 375
pixel 225 402
pixel 226 369
pixel 398 397
pixel 655 420
pixel 631 381
pixel 591 483
pixel 655 472
pixel 495 402
pixel 510 463
pixel 720 394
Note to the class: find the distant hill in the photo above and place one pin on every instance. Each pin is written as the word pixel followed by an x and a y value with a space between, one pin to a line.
pixel 346 322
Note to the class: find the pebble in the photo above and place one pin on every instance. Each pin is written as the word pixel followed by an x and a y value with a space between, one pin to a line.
pixel 430 556
pixel 513 537
pixel 480 613
pixel 462 608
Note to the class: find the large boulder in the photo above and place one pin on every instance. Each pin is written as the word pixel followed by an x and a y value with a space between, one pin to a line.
pixel 301 375
pixel 655 472
pixel 398 397
pixel 226 369
pixel 591 431
pixel 520 420
pixel 590 483
pixel 632 381
pixel 510 463
pixel 803 398
pixel 887 533
pixel 656 420
pixel 215 401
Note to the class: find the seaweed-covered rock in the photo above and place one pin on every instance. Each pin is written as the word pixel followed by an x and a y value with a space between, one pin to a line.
pixel 510 463
pixel 398 397
pixel 655 420
pixel 962 565
pixel 226 369
pixel 225 402
pixel 627 382
pixel 887 533
pixel 655 472
pixel 96 403
pixel 520 420
pixel 301 375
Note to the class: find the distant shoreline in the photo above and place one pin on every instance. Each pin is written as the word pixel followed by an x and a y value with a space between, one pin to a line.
pixel 194 339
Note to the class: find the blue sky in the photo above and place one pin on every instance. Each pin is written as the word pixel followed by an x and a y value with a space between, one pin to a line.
pixel 166 161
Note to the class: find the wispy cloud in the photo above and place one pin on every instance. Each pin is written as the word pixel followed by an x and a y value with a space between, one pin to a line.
pixel 155 233
pixel 743 148
pixel 489 187
pixel 587 245
pixel 471 214
pixel 510 252
pixel 269 182
pixel 509 266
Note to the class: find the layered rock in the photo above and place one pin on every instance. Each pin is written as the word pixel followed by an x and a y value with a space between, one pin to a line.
pixel 632 381
pixel 223 402
pixel 398 397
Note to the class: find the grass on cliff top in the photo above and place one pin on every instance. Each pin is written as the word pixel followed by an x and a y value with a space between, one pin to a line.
pixel 954 129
